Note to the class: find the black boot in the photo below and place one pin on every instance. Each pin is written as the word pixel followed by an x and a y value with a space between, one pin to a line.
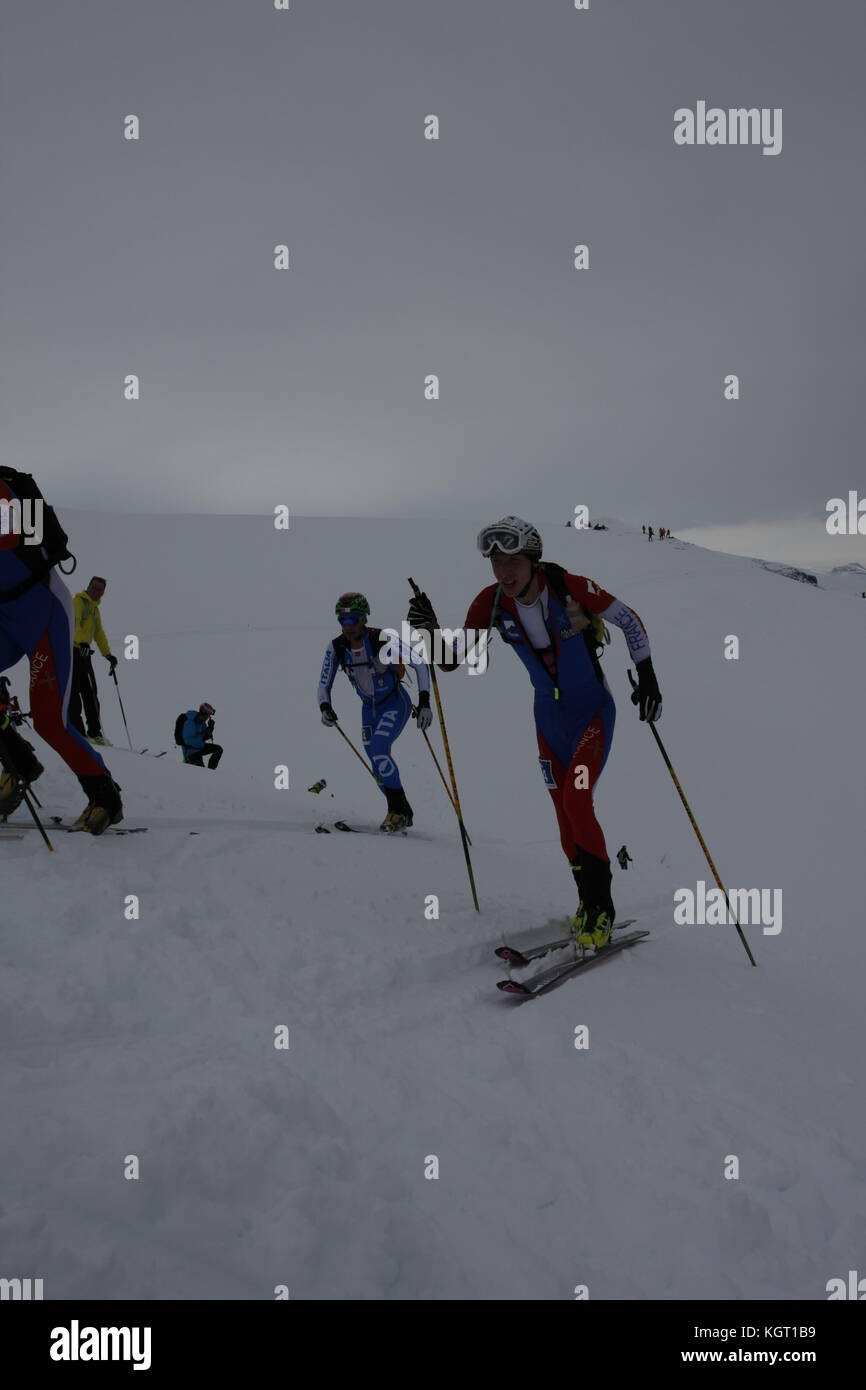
pixel 400 805
pixel 20 767
pixel 399 815
pixel 104 806
pixel 593 878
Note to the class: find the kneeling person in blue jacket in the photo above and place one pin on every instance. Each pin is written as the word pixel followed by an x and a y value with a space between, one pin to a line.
pixel 198 736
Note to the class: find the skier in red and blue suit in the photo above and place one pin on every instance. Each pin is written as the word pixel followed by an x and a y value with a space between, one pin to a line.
pixel 37 621
pixel 554 621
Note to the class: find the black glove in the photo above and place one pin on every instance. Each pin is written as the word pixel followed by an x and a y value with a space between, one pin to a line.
pixel 209 728
pixel 329 714
pixel 112 661
pixel 647 695
pixel 421 614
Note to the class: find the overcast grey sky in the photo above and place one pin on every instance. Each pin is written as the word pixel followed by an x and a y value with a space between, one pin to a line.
pixel 411 256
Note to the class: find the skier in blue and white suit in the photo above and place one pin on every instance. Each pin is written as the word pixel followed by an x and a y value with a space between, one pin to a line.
pixel 385 702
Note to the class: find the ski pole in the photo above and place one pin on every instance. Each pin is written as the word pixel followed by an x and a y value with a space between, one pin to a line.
pixel 436 761
pixel 433 756
pixel 125 725
pixel 463 836
pixel 26 798
pixel 695 826
pixel 439 770
pixel 364 764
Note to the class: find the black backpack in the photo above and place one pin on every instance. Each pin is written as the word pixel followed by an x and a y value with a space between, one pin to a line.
pixel 178 729
pixel 55 542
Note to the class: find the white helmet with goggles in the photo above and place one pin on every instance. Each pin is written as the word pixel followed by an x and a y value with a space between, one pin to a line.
pixel 512 536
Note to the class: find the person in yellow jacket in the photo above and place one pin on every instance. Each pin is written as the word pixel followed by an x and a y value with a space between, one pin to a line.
pixel 88 629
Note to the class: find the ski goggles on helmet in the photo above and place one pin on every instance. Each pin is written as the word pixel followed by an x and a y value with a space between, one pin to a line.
pixel 504 538
pixel 349 619
pixel 207 709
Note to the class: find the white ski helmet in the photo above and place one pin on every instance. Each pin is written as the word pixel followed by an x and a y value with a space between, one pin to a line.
pixel 511 535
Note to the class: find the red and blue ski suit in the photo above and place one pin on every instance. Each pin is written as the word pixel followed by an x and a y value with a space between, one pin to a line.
pixel 574 709
pixel 39 624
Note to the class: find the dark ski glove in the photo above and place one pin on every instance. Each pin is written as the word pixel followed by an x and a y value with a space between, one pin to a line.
pixel 329 714
pixel 424 714
pixel 112 661
pixel 421 614
pixel 647 695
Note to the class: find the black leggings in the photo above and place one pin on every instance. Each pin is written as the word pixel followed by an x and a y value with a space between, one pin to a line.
pixel 197 758
pixel 83 692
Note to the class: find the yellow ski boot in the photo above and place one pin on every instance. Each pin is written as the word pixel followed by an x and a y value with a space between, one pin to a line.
pixel 593 927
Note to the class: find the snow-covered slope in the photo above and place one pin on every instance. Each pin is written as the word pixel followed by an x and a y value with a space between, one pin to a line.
pixel 557 1167
pixel 850 579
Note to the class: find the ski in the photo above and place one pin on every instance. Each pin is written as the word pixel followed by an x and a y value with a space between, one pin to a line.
pixel 57 824
pixel 109 830
pixel 72 830
pixel 26 825
pixel 365 829
pixel 145 752
pixel 513 955
pixel 19 826
pixel 556 974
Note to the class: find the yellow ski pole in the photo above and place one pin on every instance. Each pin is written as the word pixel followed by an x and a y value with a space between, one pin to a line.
pixel 432 752
pixel 439 770
pixel 456 798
